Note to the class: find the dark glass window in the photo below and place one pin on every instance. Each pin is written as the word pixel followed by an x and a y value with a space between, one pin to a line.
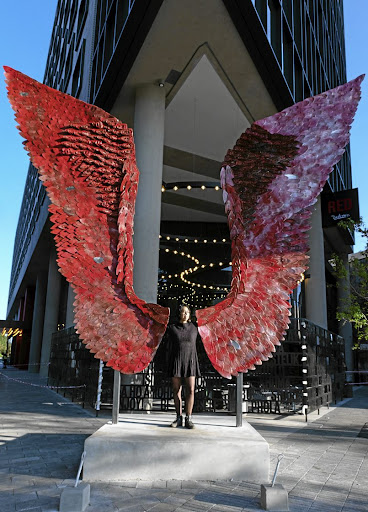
pixel 82 16
pixel 78 71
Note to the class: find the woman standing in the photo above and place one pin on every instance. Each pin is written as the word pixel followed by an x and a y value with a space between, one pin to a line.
pixel 183 363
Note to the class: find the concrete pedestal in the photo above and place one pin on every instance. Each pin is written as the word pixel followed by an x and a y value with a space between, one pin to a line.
pixel 143 447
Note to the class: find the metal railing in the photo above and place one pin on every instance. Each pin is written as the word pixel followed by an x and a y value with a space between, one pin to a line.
pixel 306 373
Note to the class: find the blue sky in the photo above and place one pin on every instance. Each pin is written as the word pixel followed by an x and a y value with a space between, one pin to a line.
pixel 24 41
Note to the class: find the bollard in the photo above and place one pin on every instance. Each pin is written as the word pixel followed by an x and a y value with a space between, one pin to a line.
pixel 273 496
pixel 77 498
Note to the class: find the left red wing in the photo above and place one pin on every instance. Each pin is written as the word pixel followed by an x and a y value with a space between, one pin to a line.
pixel 86 160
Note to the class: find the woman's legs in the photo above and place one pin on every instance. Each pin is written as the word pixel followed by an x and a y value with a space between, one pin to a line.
pixel 176 384
pixel 189 394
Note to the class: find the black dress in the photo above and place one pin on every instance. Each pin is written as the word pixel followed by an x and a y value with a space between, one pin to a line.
pixel 183 358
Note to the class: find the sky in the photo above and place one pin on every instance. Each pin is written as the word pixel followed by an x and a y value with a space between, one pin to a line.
pixel 25 33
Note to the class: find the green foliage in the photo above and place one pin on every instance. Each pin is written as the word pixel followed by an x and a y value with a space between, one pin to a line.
pixel 3 340
pixel 354 307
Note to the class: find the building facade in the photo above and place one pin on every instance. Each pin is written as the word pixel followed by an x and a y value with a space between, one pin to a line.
pixel 188 77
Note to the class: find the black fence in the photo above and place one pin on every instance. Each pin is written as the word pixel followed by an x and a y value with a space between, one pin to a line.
pixel 306 370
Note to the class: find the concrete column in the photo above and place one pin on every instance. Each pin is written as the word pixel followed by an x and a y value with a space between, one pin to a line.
pixel 315 285
pixel 69 320
pixel 149 120
pixel 37 323
pixel 345 329
pixel 51 312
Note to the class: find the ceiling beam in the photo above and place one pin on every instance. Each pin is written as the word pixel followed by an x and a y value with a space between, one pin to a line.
pixel 184 160
pixel 193 203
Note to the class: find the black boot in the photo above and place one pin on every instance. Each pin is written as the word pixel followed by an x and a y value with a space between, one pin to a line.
pixel 178 422
pixel 188 422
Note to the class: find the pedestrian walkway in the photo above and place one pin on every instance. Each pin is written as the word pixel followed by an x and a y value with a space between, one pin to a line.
pixel 324 469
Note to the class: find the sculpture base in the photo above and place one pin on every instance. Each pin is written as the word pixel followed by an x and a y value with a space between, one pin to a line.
pixel 145 447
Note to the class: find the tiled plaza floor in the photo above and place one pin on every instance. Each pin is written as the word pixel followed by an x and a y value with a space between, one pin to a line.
pixel 324 469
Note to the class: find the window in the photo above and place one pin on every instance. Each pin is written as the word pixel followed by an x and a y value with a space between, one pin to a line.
pixel 287 56
pixel 82 16
pixel 274 28
pixel 298 73
pixel 122 13
pixel 68 64
pixel 78 71
pixel 109 39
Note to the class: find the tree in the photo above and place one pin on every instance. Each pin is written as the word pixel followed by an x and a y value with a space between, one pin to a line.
pixel 354 308
pixel 3 345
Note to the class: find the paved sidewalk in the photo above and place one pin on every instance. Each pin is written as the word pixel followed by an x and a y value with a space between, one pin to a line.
pixel 325 464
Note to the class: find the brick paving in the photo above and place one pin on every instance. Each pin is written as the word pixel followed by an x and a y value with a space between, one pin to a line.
pixel 324 469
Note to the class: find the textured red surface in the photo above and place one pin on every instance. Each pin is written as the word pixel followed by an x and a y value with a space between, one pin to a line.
pixel 86 160
pixel 270 180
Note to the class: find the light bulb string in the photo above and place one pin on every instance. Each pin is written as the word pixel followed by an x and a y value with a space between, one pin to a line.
pixel 194 270
pixel 183 186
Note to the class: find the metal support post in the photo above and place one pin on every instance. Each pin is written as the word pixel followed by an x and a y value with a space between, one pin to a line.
pixel 116 397
pixel 239 400
pixel 99 387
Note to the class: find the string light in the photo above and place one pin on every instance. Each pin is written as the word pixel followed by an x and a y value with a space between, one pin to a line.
pixel 302 277
pixel 193 239
pixel 10 332
pixel 182 185
pixel 197 300
pixel 191 270
pixel 182 253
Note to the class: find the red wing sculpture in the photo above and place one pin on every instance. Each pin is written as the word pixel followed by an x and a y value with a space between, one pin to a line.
pixel 86 160
pixel 270 181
